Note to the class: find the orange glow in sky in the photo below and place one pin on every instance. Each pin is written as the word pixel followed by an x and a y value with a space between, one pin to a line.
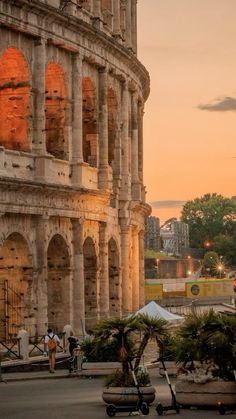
pixel 189 49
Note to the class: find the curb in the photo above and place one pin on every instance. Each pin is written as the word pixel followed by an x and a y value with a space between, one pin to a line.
pixel 39 377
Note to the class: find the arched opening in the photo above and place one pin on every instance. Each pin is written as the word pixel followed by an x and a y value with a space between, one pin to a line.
pixel 90 283
pixel 90 128
pixel 58 284
pixel 55 112
pixel 14 101
pixel 106 7
pixel 16 297
pixel 114 280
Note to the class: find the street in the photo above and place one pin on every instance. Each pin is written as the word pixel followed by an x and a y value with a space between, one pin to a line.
pixel 73 398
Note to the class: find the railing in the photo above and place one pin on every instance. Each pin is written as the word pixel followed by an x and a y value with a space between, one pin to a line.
pixel 11 348
pixel 11 311
pixel 37 344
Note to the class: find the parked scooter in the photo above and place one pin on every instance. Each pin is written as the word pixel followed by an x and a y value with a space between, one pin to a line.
pixel 160 409
pixel 141 405
pixel 223 408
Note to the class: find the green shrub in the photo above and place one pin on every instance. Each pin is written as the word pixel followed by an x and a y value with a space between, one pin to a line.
pixel 208 339
pixel 100 351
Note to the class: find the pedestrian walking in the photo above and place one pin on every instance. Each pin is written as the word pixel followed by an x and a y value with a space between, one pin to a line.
pixel 51 340
pixel 73 344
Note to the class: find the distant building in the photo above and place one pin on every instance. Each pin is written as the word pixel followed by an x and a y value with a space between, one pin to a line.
pixel 175 236
pixel 152 239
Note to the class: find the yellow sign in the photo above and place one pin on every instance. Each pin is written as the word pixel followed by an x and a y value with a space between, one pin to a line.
pixel 153 291
pixel 209 288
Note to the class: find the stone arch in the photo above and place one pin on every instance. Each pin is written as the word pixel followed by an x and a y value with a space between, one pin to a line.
pixel 58 283
pixel 16 284
pixel 57 142
pixel 90 126
pixel 14 100
pixel 114 279
pixel 90 283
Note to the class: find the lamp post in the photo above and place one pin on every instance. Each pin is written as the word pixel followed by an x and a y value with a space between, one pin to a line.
pixel 220 268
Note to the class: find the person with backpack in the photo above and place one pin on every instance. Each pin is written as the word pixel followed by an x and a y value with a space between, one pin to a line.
pixel 51 340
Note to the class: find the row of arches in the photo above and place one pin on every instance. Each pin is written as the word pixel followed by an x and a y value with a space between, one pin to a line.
pixel 16 110
pixel 18 281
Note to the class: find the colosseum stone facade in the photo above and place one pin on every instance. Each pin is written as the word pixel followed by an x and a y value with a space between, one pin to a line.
pixel 72 200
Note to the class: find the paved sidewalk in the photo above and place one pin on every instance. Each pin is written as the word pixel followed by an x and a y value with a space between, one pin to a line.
pixel 35 375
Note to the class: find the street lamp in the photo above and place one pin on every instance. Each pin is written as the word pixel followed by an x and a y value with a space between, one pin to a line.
pixel 220 268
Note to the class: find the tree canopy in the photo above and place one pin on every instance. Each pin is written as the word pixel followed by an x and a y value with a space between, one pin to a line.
pixel 212 223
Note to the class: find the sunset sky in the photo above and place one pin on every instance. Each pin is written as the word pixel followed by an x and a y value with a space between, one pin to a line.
pixel 189 49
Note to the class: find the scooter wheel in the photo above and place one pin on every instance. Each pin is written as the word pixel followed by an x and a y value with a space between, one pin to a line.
pixel 222 409
pixel 144 408
pixel 159 409
pixel 111 410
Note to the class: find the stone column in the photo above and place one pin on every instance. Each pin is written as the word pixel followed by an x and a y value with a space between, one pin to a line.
pixel 39 144
pixel 78 302
pixel 134 25
pixel 125 262
pixel 97 14
pixel 136 191
pixel 116 19
pixel 69 7
pixel 77 122
pixel 77 117
pixel 140 140
pixel 97 8
pixel 125 175
pixel 128 38
pixel 141 269
pixel 135 269
pixel 103 131
pixel 42 274
pixel 103 271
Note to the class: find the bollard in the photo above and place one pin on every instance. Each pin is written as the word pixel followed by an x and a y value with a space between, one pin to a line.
pixel 23 337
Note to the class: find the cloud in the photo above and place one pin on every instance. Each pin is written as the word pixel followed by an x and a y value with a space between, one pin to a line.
pixel 166 204
pixel 224 104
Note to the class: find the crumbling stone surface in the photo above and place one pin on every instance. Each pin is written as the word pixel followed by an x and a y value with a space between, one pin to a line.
pixel 72 200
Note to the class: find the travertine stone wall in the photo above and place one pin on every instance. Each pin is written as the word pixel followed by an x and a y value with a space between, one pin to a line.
pixel 72 200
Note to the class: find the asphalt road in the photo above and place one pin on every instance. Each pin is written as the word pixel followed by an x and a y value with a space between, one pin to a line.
pixel 73 398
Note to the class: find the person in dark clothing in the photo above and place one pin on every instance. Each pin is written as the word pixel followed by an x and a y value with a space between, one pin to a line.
pixel 73 344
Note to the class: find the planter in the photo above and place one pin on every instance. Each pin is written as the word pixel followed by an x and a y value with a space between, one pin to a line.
pixel 127 396
pixel 192 394
pixel 100 368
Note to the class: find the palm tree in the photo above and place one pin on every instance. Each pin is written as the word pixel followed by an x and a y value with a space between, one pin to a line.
pixel 120 330
pixel 209 338
pixel 152 328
